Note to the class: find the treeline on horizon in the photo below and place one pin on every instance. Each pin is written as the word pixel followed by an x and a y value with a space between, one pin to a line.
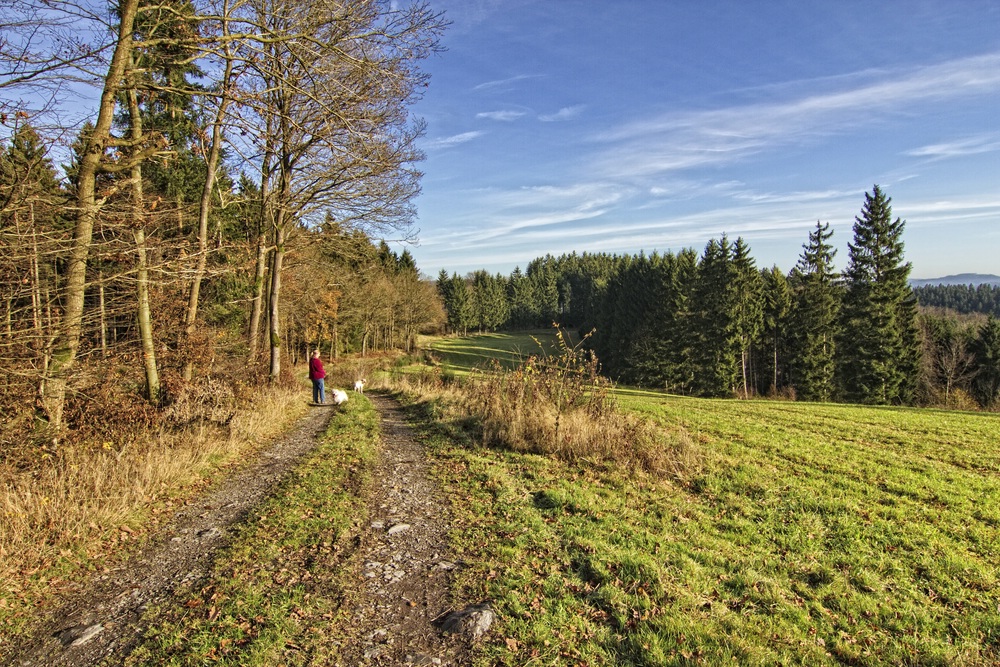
pixel 717 325
pixel 962 299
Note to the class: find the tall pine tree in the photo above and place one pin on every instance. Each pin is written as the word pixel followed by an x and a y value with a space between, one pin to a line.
pixel 748 315
pixel 814 318
pixel 777 308
pixel 716 337
pixel 878 345
pixel 457 300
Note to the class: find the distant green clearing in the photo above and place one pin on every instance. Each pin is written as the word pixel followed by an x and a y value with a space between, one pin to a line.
pixel 461 355
pixel 812 534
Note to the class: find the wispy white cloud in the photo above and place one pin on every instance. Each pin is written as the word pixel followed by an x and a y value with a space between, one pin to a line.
pixel 571 198
pixel 678 141
pixel 505 83
pixel 513 214
pixel 944 210
pixel 958 148
pixel 678 189
pixel 454 140
pixel 505 116
pixel 566 113
pixel 800 197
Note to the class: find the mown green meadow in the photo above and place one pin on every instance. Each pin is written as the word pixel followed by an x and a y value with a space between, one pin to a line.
pixel 459 356
pixel 806 534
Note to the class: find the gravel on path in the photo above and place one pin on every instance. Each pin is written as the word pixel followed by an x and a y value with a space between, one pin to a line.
pixel 401 594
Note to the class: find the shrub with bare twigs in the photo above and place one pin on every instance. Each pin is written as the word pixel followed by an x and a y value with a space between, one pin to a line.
pixel 561 405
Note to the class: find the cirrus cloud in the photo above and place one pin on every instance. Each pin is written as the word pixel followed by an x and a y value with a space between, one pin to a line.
pixel 566 113
pixel 503 116
pixel 454 140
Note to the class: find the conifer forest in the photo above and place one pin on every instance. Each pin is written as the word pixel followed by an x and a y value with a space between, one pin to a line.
pixel 716 324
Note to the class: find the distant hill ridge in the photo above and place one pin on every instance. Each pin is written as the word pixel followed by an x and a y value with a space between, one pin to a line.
pixel 959 279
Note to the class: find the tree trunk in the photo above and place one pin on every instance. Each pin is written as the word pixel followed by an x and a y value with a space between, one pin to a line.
pixel 743 366
pixel 145 319
pixel 103 315
pixel 36 283
pixel 67 341
pixel 274 301
pixel 257 304
pixel 265 224
pixel 191 316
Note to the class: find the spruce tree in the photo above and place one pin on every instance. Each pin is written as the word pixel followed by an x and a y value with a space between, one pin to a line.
pixel 461 317
pixel 716 338
pixel 986 362
pixel 637 320
pixel 519 296
pixel 541 274
pixel 444 290
pixel 748 308
pixel 488 301
pixel 685 338
pixel 878 342
pixel 777 308
pixel 621 316
pixel 814 318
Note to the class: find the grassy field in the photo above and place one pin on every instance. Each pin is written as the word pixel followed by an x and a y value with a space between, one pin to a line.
pixel 459 356
pixel 804 534
pixel 811 534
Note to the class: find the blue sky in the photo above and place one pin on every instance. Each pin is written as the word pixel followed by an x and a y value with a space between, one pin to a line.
pixel 582 125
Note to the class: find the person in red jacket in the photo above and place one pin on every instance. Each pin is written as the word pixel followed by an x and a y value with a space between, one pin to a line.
pixel 316 374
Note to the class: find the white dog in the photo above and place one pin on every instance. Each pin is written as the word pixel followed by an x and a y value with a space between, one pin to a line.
pixel 359 386
pixel 339 396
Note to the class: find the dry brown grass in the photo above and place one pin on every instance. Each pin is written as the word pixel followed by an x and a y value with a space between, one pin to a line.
pixel 552 410
pixel 560 406
pixel 81 504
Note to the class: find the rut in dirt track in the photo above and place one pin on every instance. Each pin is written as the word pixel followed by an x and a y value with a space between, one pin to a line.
pixel 401 592
pixel 103 623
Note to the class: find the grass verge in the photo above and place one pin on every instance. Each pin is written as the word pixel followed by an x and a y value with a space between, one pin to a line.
pixel 92 505
pixel 274 596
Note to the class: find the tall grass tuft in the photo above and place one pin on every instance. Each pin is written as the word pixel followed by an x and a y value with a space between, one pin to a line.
pixel 561 405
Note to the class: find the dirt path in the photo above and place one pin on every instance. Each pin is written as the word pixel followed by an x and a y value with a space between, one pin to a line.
pixel 401 592
pixel 401 588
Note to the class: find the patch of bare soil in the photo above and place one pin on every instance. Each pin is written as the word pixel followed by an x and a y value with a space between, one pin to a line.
pixel 399 595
